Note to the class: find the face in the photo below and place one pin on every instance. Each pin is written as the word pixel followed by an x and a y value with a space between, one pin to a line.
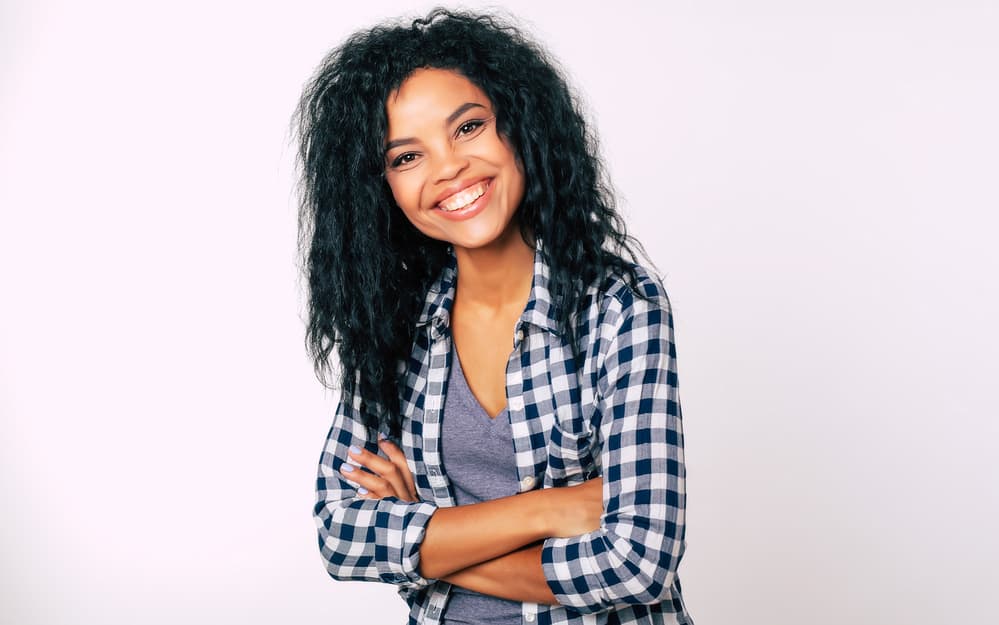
pixel 451 173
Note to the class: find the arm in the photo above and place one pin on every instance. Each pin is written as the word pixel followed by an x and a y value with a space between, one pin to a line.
pixel 463 536
pixel 632 557
pixel 517 576
pixel 359 538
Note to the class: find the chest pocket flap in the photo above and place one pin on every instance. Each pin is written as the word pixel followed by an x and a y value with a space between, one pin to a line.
pixel 573 456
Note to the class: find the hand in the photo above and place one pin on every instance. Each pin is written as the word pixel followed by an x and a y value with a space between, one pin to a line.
pixel 575 510
pixel 384 478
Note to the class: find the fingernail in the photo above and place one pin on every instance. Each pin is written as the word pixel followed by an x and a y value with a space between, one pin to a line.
pixel 362 490
pixel 346 467
pixel 355 450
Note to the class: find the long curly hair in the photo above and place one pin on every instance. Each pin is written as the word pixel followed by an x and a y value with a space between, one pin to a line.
pixel 367 268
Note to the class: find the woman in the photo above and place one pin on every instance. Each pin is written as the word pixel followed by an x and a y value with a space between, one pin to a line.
pixel 508 445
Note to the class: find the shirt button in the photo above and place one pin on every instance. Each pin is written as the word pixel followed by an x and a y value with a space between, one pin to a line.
pixel 527 483
pixel 517 402
pixel 529 617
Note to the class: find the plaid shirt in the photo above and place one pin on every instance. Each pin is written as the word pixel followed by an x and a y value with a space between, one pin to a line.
pixel 617 416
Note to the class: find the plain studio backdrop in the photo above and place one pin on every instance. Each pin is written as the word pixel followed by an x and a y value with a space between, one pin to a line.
pixel 817 181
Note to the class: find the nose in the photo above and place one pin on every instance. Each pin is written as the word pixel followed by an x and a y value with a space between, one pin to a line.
pixel 451 163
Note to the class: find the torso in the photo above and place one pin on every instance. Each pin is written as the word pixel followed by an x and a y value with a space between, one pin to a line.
pixel 549 397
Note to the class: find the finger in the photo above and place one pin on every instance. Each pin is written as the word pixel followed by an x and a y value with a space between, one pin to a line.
pixel 398 459
pixel 385 469
pixel 369 485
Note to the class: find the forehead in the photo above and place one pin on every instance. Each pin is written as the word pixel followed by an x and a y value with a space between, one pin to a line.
pixel 427 97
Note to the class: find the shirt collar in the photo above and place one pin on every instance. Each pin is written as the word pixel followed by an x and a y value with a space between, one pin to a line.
pixel 540 310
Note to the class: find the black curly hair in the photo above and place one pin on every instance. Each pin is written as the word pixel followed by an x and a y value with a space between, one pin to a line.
pixel 367 268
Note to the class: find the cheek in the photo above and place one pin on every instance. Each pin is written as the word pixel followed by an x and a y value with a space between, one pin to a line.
pixel 512 162
pixel 407 197
pixel 408 200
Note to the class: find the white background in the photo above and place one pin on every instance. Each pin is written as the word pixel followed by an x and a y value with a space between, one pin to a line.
pixel 817 181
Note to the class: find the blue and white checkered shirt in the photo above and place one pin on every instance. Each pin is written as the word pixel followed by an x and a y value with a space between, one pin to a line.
pixel 617 416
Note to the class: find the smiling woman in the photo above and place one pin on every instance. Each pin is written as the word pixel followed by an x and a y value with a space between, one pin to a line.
pixel 508 445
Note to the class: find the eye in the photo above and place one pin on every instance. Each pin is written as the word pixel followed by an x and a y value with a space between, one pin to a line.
pixel 470 128
pixel 403 161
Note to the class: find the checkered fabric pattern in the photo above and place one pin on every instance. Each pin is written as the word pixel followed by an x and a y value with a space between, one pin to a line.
pixel 615 414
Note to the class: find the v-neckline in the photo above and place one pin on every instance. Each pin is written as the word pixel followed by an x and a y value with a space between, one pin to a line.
pixel 456 363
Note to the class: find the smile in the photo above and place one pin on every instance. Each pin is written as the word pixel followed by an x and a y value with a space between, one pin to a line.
pixel 464 197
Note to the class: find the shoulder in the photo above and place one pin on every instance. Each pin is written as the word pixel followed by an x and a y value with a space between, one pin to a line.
pixel 626 309
pixel 634 291
pixel 630 328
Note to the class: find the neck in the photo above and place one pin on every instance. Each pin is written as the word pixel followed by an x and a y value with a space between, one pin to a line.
pixel 496 277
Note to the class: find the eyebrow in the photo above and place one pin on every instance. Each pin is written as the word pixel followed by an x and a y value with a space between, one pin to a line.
pixel 458 112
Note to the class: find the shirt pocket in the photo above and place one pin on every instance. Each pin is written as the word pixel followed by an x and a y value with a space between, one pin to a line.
pixel 571 456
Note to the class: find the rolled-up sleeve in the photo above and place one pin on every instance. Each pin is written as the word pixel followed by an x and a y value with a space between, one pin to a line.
pixel 365 539
pixel 632 558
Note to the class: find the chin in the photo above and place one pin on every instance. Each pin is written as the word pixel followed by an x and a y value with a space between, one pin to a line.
pixel 481 237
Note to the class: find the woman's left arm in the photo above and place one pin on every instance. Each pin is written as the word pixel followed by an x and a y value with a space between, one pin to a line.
pixel 633 556
pixel 517 576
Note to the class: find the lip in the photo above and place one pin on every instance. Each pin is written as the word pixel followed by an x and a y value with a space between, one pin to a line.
pixel 457 187
pixel 472 209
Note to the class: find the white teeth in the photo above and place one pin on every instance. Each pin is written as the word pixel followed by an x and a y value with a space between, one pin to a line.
pixel 464 198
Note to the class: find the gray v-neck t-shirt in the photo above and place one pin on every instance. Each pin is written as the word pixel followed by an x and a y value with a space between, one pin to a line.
pixel 478 459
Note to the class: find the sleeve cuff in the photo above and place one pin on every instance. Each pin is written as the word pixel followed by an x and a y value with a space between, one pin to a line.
pixel 403 524
pixel 568 569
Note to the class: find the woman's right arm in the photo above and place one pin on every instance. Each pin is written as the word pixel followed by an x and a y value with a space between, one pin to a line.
pixel 362 538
